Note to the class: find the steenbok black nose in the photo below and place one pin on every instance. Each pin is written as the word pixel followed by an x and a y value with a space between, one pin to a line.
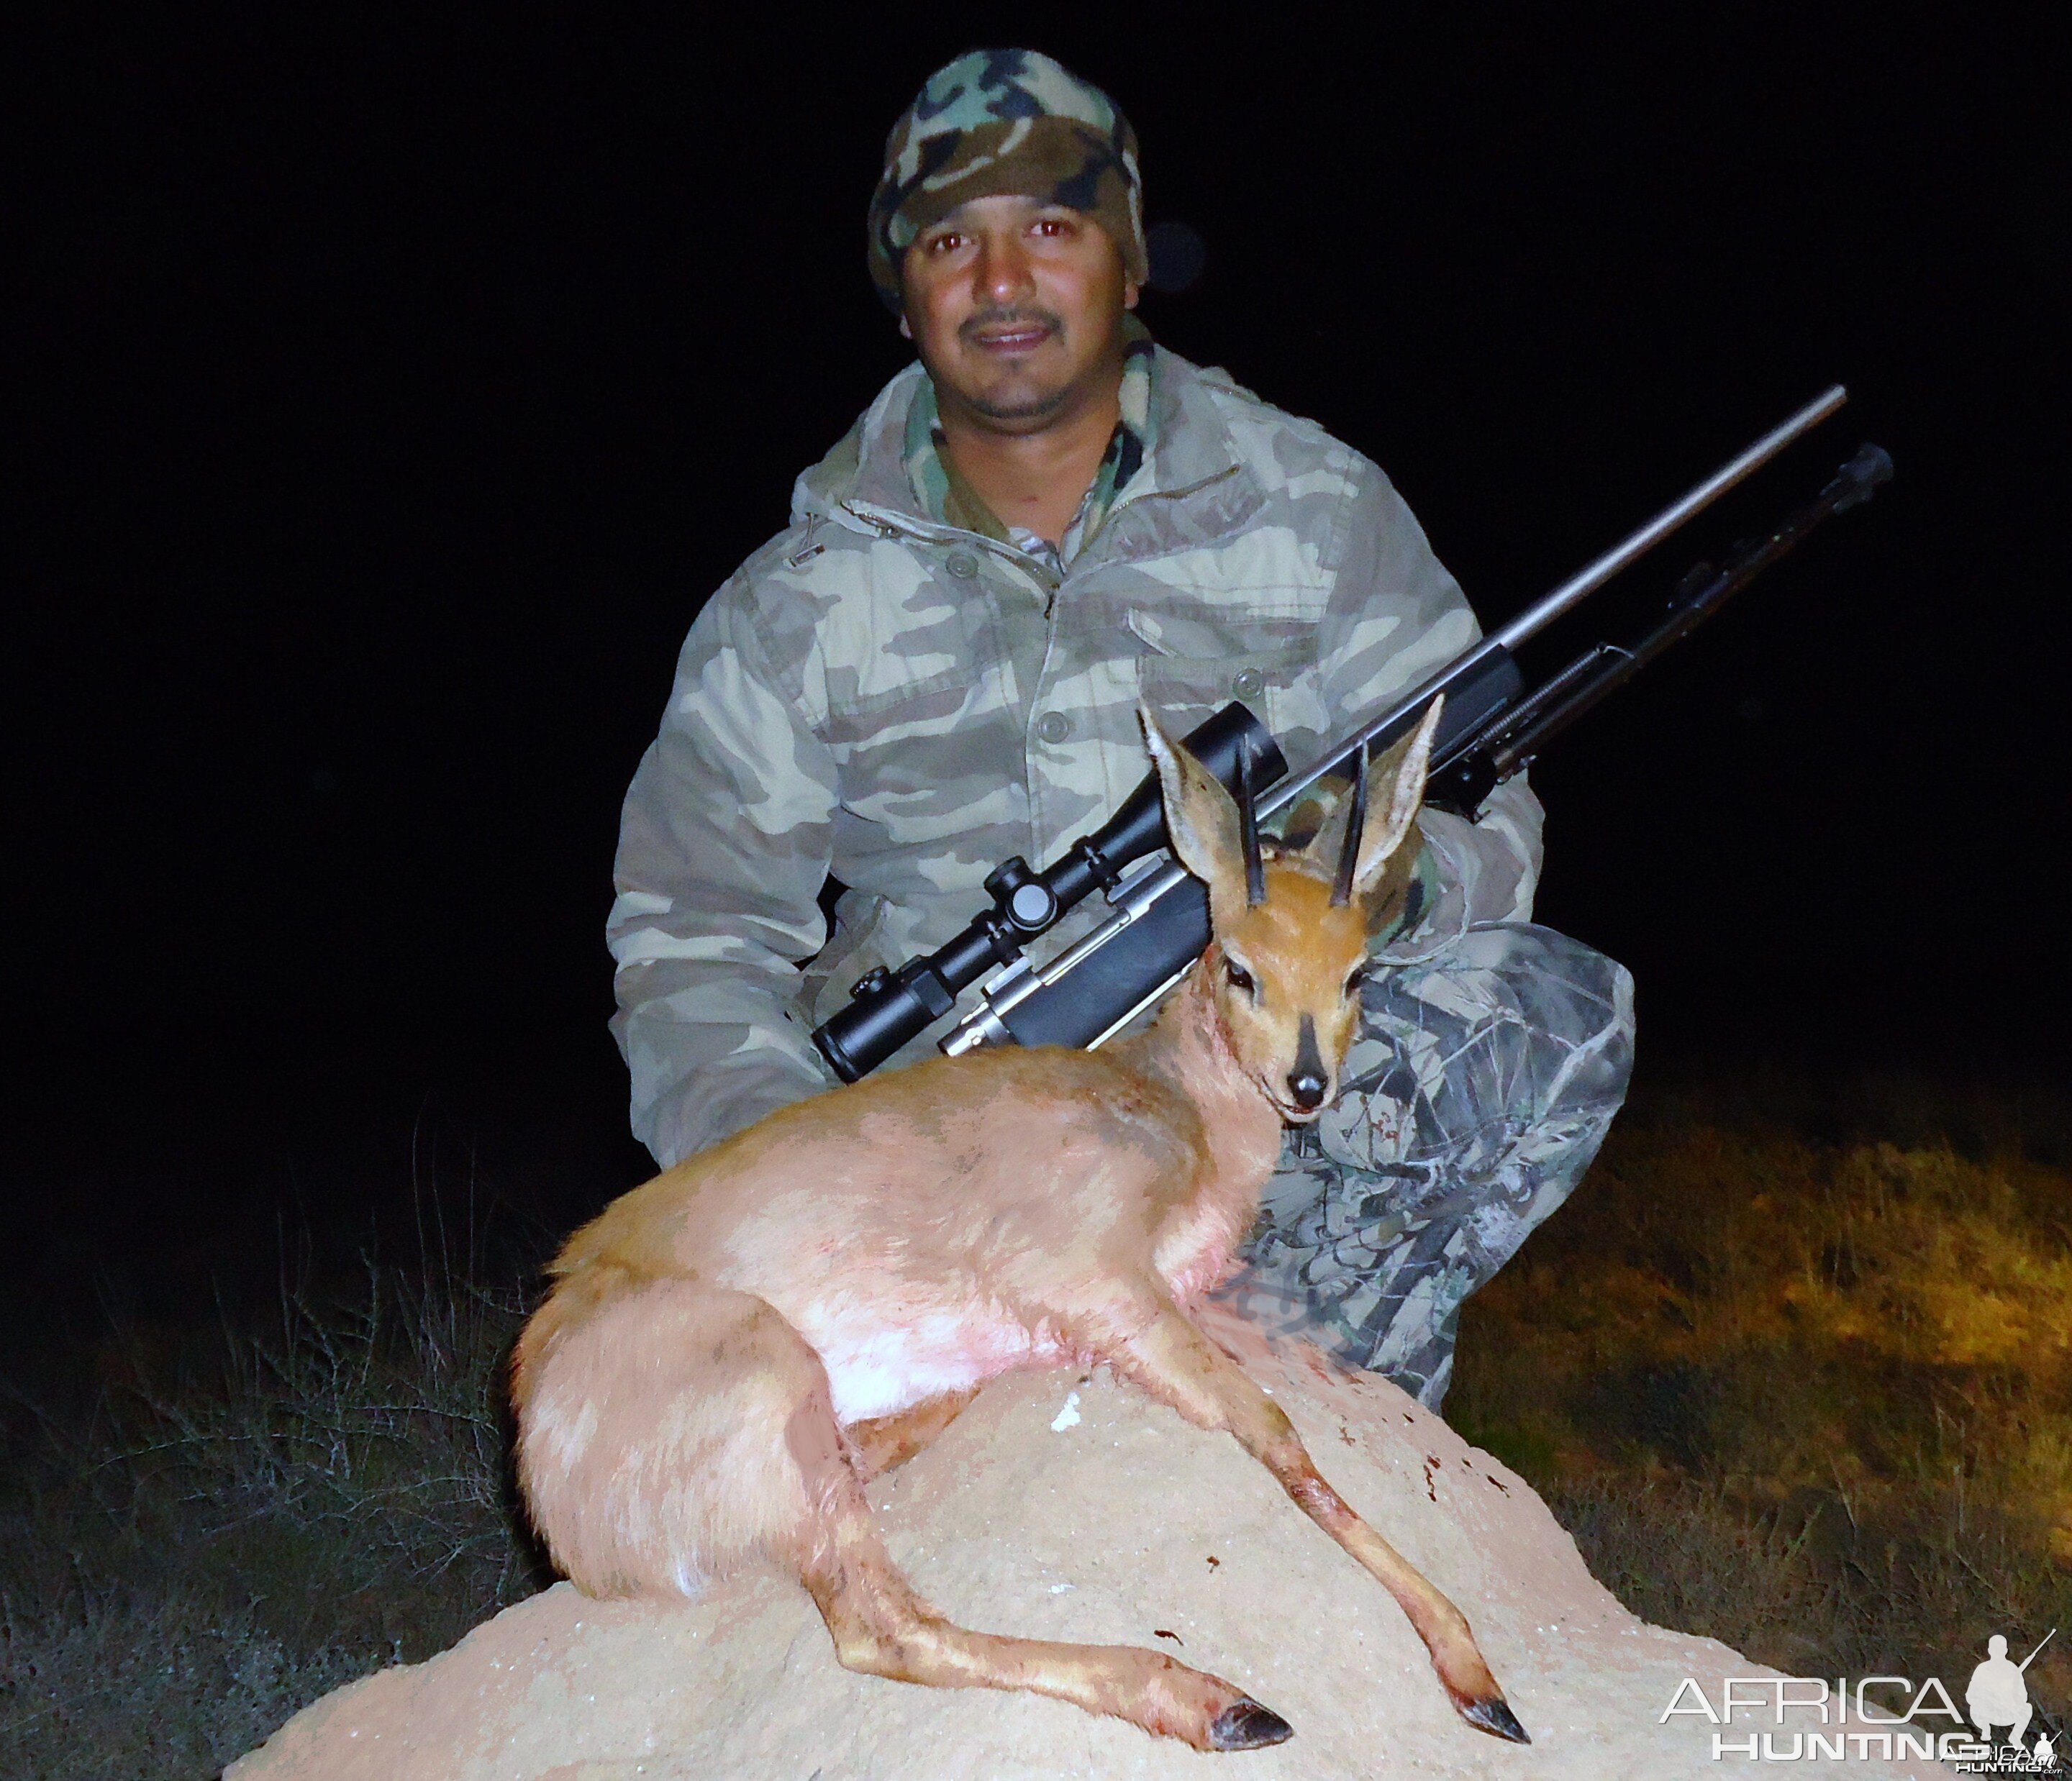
pixel 1307 1082
pixel 1307 1087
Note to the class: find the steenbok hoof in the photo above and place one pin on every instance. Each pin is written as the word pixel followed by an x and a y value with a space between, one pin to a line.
pixel 1247 1726
pixel 1494 1716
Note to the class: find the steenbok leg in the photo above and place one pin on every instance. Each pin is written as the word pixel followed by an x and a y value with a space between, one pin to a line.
pixel 881 1627
pixel 670 1430
pixel 1176 1364
pixel 878 1443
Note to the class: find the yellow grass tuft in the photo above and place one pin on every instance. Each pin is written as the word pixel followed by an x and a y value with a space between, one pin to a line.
pixel 1813 1397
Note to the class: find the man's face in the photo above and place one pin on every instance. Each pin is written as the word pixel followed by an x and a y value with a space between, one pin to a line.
pixel 1016 307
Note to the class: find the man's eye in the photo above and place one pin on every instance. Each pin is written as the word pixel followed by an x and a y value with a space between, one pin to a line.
pixel 1054 225
pixel 943 244
pixel 1239 978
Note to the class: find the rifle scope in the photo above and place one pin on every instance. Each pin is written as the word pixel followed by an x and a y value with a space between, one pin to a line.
pixel 889 1008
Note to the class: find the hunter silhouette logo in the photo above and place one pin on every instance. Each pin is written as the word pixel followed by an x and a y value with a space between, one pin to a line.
pixel 1998 1694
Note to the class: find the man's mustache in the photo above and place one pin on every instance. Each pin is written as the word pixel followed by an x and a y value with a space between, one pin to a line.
pixel 1016 318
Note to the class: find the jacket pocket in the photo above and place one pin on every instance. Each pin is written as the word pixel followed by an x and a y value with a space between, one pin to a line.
pixel 935 700
pixel 1191 668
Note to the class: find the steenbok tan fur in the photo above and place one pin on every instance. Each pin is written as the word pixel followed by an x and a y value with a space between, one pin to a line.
pixel 733 1351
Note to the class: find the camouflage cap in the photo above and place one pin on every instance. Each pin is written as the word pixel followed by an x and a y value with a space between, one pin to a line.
pixel 1000 123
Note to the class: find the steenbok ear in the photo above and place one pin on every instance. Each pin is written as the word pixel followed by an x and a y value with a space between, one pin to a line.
pixel 1202 819
pixel 1398 779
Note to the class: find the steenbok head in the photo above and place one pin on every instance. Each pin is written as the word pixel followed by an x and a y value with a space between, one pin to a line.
pixel 1290 924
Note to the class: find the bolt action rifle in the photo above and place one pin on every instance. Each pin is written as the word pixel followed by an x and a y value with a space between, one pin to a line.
pixel 1492 729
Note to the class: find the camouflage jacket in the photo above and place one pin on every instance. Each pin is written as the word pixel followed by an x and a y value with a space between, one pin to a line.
pixel 902 703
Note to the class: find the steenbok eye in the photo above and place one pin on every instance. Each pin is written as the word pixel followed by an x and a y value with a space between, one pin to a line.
pixel 1239 978
pixel 1353 983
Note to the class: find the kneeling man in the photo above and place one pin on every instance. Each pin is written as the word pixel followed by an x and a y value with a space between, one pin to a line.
pixel 936 665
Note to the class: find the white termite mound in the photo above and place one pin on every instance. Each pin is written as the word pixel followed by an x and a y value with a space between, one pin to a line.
pixel 1121 1525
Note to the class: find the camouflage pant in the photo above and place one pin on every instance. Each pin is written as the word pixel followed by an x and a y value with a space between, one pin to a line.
pixel 1479 1088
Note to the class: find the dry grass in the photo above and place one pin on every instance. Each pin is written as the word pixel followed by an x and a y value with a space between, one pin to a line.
pixel 1813 1397
pixel 214 1544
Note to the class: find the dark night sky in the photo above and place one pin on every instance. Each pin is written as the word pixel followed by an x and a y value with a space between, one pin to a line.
pixel 396 393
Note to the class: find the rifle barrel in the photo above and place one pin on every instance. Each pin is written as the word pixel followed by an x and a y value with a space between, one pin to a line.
pixel 1515 738
pixel 1593 576
pixel 1544 611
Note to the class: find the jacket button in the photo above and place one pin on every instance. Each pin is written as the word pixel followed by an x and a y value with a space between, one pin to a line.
pixel 1054 726
pixel 1247 682
pixel 963 565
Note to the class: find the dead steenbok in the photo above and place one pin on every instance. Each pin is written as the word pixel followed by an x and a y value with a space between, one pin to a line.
pixel 733 1351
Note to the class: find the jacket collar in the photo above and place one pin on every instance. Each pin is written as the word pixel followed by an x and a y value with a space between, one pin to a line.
pixel 1195 487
